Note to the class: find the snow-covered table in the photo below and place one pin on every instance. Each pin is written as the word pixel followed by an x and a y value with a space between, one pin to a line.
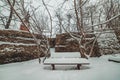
pixel 66 59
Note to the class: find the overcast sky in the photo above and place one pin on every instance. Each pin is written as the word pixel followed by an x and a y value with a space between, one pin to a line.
pixel 52 5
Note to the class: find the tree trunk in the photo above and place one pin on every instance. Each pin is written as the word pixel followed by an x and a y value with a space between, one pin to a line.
pixel 10 16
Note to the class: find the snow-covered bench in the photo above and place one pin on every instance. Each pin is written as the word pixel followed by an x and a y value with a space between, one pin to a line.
pixel 115 59
pixel 66 59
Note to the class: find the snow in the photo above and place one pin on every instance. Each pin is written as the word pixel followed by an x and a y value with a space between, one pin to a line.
pixel 10 43
pixel 99 69
pixel 60 45
pixel 115 58
pixel 24 38
pixel 107 40
pixel 11 49
pixel 71 61
pixel 65 55
pixel 6 49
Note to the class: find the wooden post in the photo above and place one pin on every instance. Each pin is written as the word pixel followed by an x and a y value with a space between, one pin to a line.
pixel 53 66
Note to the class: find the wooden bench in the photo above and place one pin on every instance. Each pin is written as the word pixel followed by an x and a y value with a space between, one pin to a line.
pixel 66 59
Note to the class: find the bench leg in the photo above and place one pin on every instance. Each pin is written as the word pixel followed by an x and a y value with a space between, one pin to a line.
pixel 78 66
pixel 53 66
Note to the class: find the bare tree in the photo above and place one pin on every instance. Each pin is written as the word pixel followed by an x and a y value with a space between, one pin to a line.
pixel 60 21
pixel 82 36
pixel 42 44
pixel 111 8
pixel 79 15
pixel 10 16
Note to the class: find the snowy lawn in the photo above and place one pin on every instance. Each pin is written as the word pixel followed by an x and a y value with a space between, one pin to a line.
pixel 99 69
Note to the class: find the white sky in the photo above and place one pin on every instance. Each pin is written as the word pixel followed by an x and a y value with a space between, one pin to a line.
pixel 52 5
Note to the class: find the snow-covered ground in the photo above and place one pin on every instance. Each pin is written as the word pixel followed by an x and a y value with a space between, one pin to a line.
pixel 99 69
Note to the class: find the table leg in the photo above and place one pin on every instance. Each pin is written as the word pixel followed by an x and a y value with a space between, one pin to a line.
pixel 53 66
pixel 78 66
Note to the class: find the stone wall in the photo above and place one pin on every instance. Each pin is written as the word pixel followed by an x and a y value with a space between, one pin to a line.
pixel 52 42
pixel 16 46
pixel 64 43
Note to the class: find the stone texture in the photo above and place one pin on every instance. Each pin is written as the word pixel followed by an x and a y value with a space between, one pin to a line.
pixel 64 43
pixel 17 46
pixel 52 42
pixel 17 53
pixel 13 33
